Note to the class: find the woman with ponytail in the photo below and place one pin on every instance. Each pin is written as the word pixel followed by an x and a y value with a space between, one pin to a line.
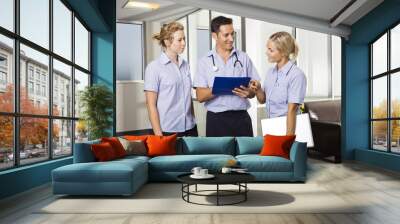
pixel 168 86
pixel 285 84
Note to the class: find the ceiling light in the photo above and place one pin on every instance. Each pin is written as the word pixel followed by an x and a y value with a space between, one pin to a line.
pixel 137 4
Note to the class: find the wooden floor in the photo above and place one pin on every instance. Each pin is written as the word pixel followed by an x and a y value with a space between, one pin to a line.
pixel 354 182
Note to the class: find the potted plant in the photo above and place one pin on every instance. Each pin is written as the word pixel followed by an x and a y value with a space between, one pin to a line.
pixel 96 102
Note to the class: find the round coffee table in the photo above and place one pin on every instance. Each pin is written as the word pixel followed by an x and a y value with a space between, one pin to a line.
pixel 238 179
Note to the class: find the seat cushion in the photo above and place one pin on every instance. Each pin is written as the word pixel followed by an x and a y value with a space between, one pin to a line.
pixel 111 171
pixel 185 163
pixel 132 160
pixel 257 163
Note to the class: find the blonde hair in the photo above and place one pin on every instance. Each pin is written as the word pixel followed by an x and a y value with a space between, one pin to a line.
pixel 285 44
pixel 166 32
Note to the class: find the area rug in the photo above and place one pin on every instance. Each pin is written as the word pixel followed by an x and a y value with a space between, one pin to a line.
pixel 167 198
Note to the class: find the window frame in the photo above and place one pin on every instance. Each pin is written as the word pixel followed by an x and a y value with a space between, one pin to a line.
pixel 16 115
pixel 3 69
pixel 388 74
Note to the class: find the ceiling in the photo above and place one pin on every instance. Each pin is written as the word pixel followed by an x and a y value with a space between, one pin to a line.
pixel 167 9
pixel 320 15
pixel 320 9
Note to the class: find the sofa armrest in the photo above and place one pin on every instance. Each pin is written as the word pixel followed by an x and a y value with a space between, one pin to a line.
pixel 298 155
pixel 83 152
pixel 327 138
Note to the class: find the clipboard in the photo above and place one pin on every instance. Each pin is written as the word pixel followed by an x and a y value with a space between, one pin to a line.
pixel 225 85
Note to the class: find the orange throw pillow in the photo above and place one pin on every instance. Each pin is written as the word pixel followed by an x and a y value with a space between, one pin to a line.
pixel 103 152
pixel 161 145
pixel 277 145
pixel 116 145
pixel 136 137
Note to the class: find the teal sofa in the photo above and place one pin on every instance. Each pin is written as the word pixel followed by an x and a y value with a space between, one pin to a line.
pixel 125 176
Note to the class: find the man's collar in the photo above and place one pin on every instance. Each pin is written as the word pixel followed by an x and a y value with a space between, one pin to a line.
pixel 214 52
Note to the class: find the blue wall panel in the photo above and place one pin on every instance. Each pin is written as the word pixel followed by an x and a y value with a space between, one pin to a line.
pixel 102 58
pixel 377 158
pixel 356 89
pixel 104 53
pixel 103 64
pixel 356 105
pixel 24 178
pixel 89 11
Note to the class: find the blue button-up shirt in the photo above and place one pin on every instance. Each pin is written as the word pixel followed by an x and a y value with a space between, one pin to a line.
pixel 173 85
pixel 284 86
pixel 205 75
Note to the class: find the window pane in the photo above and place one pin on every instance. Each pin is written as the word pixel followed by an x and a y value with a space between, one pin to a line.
pixel 337 66
pixel 6 74
pixel 35 21
pixel 379 135
pixel 62 89
pixel 395 138
pixel 313 60
pixel 6 142
pixel 62 29
pixel 395 95
pixel 62 141
pixel 379 56
pixel 129 52
pixel 7 14
pixel 81 81
pixel 256 44
pixel 198 37
pixel 81 45
pixel 81 131
pixel 34 72
pixel 237 24
pixel 395 47
pixel 379 98
pixel 33 139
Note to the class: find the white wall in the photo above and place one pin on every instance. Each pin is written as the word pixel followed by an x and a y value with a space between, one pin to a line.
pixel 200 113
pixel 131 106
pixel 132 111
pixel 153 50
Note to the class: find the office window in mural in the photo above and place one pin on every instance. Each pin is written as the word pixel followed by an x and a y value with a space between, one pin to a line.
pixel 385 96
pixel 49 81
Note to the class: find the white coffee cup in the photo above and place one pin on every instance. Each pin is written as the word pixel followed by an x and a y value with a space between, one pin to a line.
pixel 226 170
pixel 196 170
pixel 203 172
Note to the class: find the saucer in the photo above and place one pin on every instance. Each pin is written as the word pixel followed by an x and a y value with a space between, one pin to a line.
pixel 208 176
pixel 240 171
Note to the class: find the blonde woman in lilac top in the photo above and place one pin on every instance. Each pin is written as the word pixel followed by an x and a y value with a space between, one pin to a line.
pixel 285 84
pixel 168 86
